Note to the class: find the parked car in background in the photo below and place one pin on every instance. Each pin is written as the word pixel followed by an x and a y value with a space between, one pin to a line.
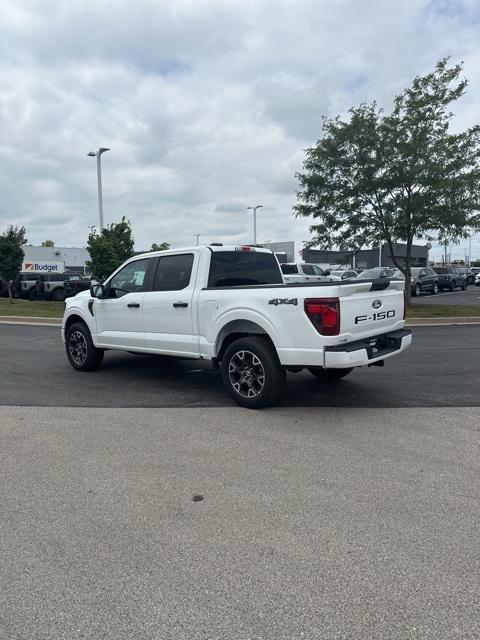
pixel 450 278
pixel 423 280
pixel 477 279
pixel 377 272
pixel 3 289
pixel 303 272
pixel 469 274
pixel 74 285
pixel 343 274
pixel 44 286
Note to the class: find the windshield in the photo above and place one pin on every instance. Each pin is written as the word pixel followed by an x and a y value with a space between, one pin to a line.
pixel 377 273
pixel 442 269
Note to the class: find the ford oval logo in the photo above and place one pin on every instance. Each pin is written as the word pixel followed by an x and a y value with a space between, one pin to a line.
pixel 376 304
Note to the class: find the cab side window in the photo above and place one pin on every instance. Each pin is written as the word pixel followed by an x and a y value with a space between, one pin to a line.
pixel 308 270
pixel 173 272
pixel 317 270
pixel 130 279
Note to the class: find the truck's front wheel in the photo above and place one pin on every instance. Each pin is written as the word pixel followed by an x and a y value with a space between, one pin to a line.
pixel 251 372
pixel 82 354
pixel 330 375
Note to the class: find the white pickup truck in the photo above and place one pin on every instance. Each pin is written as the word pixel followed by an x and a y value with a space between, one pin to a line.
pixel 295 272
pixel 230 305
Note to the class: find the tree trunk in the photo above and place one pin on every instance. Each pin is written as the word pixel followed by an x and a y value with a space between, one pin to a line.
pixel 9 287
pixel 408 271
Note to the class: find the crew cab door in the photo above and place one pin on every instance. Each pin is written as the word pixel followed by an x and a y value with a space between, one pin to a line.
pixel 119 316
pixel 168 312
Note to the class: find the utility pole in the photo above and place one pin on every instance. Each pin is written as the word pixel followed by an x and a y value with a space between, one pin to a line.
pixel 254 209
pixel 98 154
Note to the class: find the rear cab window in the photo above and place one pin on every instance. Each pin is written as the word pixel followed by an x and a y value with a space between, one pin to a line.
pixel 289 269
pixel 237 268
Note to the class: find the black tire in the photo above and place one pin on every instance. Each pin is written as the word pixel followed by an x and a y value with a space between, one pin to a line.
pixel 330 375
pixel 452 286
pixel 82 354
pixel 417 290
pixel 252 373
pixel 464 286
pixel 58 294
pixel 435 289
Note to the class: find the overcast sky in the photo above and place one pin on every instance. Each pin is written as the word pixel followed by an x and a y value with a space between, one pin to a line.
pixel 207 105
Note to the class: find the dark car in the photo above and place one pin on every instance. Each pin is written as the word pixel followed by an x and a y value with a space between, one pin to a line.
pixel 377 272
pixel 74 285
pixel 423 280
pixel 469 274
pixel 450 278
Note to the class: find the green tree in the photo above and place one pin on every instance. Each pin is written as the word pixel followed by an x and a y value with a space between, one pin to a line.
pixel 11 257
pixel 163 246
pixel 48 243
pixel 18 234
pixel 109 249
pixel 395 177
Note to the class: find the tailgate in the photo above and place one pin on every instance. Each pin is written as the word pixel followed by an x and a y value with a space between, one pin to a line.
pixel 371 307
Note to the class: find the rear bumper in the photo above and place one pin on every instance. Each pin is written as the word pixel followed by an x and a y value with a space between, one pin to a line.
pixel 365 352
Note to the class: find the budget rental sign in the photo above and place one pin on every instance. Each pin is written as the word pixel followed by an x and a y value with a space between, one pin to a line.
pixel 43 266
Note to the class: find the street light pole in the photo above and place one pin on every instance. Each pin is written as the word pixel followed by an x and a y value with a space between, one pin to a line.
pixel 254 209
pixel 197 236
pixel 98 155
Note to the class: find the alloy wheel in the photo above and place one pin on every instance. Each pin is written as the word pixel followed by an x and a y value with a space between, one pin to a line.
pixel 246 373
pixel 77 347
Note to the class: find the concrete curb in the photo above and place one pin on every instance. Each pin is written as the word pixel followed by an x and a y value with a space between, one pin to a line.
pixel 31 320
pixel 411 322
pixel 432 322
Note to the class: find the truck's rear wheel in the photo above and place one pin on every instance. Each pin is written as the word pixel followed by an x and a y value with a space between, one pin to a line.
pixel 58 294
pixel 82 354
pixel 251 372
pixel 330 375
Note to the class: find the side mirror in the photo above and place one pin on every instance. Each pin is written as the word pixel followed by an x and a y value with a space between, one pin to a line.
pixel 327 272
pixel 97 291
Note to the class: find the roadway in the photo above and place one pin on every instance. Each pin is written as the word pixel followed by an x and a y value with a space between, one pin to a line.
pixel 440 369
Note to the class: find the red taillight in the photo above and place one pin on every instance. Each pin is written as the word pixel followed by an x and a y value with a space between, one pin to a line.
pixel 324 314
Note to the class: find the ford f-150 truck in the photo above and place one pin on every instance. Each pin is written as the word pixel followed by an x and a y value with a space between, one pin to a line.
pixel 230 305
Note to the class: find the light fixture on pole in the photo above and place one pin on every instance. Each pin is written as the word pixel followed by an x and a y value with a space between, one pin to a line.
pixel 254 209
pixel 98 154
pixel 197 236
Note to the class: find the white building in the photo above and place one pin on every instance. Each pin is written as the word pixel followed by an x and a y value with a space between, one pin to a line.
pixel 74 257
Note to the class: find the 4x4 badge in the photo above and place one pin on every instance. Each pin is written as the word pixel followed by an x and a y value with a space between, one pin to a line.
pixel 277 301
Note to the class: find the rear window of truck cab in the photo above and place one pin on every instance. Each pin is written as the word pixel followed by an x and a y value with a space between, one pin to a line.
pixel 236 268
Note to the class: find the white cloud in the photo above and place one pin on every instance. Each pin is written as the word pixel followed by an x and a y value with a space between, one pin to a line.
pixel 207 105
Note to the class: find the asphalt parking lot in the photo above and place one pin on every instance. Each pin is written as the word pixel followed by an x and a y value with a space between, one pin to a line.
pixel 139 503
pixel 471 295
pixel 440 369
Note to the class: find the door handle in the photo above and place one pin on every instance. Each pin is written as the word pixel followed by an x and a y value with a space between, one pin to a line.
pixel 133 305
pixel 180 304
